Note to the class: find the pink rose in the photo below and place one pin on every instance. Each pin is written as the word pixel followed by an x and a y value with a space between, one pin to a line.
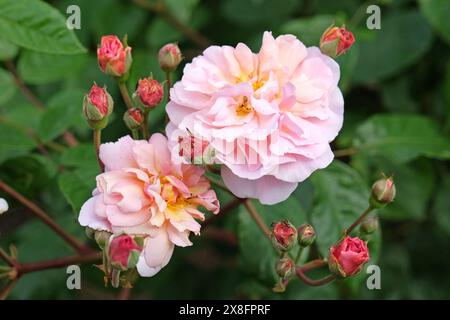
pixel 142 192
pixel 269 116
pixel 113 58
pixel 348 257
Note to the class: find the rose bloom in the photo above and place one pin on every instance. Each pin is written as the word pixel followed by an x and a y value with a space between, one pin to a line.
pixel 348 256
pixel 269 116
pixel 143 193
pixel 113 58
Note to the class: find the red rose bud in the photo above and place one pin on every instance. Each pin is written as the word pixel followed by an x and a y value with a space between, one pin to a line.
pixel 285 267
pixel 348 257
pixel 369 225
pixel 169 57
pixel 195 150
pixel 133 118
pixel 113 58
pixel 149 93
pixel 383 192
pixel 306 235
pixel 97 106
pixel 124 251
pixel 284 235
pixel 336 41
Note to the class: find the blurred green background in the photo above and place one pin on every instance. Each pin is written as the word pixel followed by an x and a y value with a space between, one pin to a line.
pixel 396 83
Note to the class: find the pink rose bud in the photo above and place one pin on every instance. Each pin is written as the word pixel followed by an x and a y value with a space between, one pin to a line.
pixel 133 118
pixel 97 106
pixel 383 192
pixel 284 235
pixel 113 58
pixel 348 257
pixel 124 251
pixel 369 225
pixel 169 57
pixel 195 150
pixel 285 267
pixel 336 41
pixel 306 235
pixel 149 93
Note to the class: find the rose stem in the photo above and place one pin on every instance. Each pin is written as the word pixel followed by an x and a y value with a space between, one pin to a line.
pixel 144 126
pixel 97 142
pixel 256 216
pixel 125 95
pixel 358 221
pixel 315 283
pixel 38 212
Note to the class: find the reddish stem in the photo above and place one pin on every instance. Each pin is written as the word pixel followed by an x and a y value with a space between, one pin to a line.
pixel 38 212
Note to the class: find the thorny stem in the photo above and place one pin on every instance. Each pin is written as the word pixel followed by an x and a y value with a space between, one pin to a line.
pixel 358 221
pixel 255 215
pixel 159 8
pixel 38 212
pixel 29 95
pixel 97 142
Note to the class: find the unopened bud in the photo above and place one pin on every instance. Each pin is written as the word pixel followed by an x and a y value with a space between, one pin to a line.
pixel 383 192
pixel 336 41
pixel 285 267
pixel 169 57
pixel 306 235
pixel 124 251
pixel 133 118
pixel 113 57
pixel 97 106
pixel 102 238
pixel 348 257
pixel 284 235
pixel 149 93
pixel 369 225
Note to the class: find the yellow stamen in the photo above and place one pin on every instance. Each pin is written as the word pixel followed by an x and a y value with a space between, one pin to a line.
pixel 244 108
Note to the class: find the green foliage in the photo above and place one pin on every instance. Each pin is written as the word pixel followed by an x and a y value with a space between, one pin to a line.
pixel 35 25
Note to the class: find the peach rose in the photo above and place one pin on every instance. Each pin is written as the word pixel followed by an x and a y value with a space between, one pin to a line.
pixel 143 193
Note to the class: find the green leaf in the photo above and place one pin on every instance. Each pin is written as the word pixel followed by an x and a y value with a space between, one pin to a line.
pixel 441 207
pixel 258 12
pixel 257 254
pixel 396 96
pixel 62 111
pixel 80 156
pixel 41 68
pixel 402 40
pixel 7 86
pixel 159 32
pixel 14 141
pixel 308 30
pixel 402 137
pixel 7 50
pixel 437 13
pixel 77 186
pixel 341 195
pixel 35 25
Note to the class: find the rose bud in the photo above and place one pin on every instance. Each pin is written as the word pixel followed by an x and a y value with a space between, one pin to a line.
pixel 336 41
pixel 3 206
pixel 133 118
pixel 97 106
pixel 284 235
pixel 102 238
pixel 369 225
pixel 348 257
pixel 195 150
pixel 285 267
pixel 124 251
pixel 169 57
pixel 306 235
pixel 113 58
pixel 383 192
pixel 149 93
